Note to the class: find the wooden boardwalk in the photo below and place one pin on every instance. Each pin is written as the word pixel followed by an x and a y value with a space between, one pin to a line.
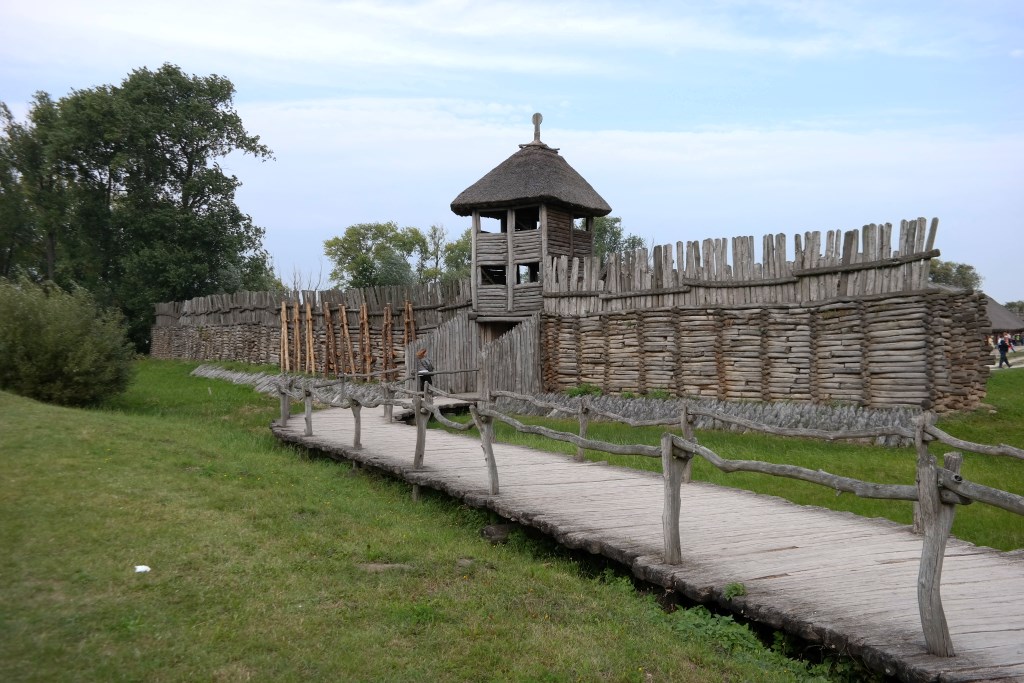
pixel 845 581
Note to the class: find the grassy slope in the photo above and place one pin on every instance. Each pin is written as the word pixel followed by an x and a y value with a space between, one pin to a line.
pixel 256 558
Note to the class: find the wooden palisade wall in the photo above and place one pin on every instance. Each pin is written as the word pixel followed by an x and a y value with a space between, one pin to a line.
pixel 847 319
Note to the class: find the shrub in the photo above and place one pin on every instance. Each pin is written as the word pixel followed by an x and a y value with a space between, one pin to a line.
pixel 583 389
pixel 60 347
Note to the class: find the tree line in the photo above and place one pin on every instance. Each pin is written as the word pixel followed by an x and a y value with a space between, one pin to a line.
pixel 119 190
pixel 376 254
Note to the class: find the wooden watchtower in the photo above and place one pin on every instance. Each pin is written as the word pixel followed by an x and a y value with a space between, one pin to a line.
pixel 530 207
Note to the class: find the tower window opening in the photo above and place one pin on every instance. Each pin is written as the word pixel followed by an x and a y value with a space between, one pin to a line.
pixel 527 272
pixel 492 275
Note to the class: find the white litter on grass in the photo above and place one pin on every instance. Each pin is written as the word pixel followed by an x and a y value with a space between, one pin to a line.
pixel 141 568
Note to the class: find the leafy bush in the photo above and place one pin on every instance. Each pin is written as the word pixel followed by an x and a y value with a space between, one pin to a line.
pixel 60 347
pixel 583 389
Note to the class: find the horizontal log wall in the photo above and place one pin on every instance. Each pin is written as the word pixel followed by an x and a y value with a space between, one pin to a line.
pixel 526 247
pixel 922 350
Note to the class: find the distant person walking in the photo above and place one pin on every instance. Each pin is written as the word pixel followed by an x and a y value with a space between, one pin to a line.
pixel 1004 346
pixel 424 369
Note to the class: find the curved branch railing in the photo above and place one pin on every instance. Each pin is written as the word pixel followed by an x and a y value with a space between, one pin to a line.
pixel 936 493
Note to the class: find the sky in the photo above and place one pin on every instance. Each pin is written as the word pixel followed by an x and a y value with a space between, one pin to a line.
pixel 691 119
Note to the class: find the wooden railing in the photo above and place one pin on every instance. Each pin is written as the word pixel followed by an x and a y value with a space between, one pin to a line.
pixel 936 493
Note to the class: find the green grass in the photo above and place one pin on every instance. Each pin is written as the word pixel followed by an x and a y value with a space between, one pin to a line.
pixel 259 564
pixel 1001 421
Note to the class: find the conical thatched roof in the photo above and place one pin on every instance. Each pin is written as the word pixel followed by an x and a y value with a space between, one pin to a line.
pixel 535 174
pixel 1002 318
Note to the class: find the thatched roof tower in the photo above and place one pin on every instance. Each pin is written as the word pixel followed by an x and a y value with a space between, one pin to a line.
pixel 530 208
pixel 536 174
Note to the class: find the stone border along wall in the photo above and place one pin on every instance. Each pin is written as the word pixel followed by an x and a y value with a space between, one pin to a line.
pixel 790 415
pixel 923 349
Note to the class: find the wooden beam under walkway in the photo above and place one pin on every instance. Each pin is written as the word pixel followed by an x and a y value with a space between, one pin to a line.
pixel 844 581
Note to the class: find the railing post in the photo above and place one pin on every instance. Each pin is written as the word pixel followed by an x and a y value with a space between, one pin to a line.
pixel 421 431
pixel 485 425
pixel 357 432
pixel 936 522
pixel 307 395
pixel 286 404
pixel 672 472
pixel 686 426
pixel 389 408
pixel 584 425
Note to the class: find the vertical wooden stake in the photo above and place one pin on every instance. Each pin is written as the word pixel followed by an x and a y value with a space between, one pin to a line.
pixel 357 434
pixel 364 341
pixel 421 431
pixel 584 426
pixel 347 338
pixel 672 472
pixel 389 408
pixel 936 522
pixel 310 355
pixel 284 360
pixel 485 426
pixel 686 424
pixel 297 341
pixel 387 343
pixel 286 404
pixel 330 344
pixel 307 395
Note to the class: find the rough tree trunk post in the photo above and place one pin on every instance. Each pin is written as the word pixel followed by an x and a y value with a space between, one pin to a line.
pixel 357 432
pixel 284 360
pixel 421 431
pixel 310 354
pixel 584 425
pixel 286 404
pixel 686 425
pixel 389 396
pixel 307 395
pixel 936 521
pixel 672 471
pixel 485 426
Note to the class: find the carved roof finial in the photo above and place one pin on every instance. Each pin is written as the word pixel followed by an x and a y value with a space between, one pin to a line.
pixel 537 119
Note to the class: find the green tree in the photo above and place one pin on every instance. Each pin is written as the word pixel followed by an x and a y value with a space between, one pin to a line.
pixel 609 237
pixel 17 236
pixel 458 257
pixel 954 274
pixel 432 257
pixel 374 254
pixel 119 189
pixel 1016 306
pixel 36 176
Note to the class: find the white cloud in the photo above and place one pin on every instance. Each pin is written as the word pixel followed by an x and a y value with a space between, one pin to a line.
pixel 350 161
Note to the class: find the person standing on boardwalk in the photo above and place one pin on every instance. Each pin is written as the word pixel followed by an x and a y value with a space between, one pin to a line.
pixel 424 368
pixel 1004 346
